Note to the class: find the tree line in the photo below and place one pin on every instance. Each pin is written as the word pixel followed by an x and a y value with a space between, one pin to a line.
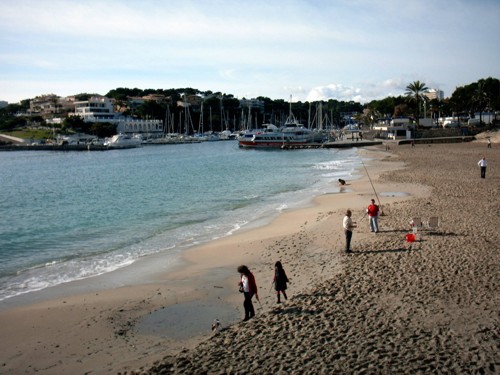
pixel 222 111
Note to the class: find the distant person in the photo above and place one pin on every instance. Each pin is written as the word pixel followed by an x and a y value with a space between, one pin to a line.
pixel 280 280
pixel 373 212
pixel 489 143
pixel 341 182
pixel 482 163
pixel 348 226
pixel 249 287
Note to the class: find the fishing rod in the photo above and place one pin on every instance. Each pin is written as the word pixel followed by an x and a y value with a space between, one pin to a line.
pixel 271 287
pixel 373 187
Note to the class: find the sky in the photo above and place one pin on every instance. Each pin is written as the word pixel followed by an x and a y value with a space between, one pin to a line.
pixel 306 50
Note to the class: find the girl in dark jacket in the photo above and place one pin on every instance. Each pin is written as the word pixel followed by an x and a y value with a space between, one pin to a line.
pixel 280 280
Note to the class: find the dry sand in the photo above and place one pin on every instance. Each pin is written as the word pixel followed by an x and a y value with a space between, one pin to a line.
pixel 387 308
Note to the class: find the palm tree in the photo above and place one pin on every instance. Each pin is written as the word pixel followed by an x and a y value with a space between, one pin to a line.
pixel 415 92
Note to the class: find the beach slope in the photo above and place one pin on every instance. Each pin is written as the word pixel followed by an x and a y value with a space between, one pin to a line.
pixel 392 306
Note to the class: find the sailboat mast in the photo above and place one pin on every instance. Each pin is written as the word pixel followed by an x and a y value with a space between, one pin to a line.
pixel 320 116
pixel 200 126
pixel 309 125
pixel 221 115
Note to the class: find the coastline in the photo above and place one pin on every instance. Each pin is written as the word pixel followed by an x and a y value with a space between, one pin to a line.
pixel 205 273
pixel 391 307
pixel 97 332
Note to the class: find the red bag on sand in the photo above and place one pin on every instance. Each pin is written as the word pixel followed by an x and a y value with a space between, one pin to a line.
pixel 410 237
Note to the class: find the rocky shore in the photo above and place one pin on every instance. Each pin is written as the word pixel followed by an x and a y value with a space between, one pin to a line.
pixel 431 306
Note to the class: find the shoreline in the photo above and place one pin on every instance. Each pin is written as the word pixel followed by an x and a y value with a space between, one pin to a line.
pixel 392 306
pixel 98 332
pixel 140 316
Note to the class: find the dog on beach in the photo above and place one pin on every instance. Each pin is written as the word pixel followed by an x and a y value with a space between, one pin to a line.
pixel 216 326
pixel 341 182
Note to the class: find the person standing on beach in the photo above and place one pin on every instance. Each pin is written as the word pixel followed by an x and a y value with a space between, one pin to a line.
pixel 249 287
pixel 373 212
pixel 280 280
pixel 482 163
pixel 489 143
pixel 348 225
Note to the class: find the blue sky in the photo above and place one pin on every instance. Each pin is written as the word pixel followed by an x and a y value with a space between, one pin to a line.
pixel 346 50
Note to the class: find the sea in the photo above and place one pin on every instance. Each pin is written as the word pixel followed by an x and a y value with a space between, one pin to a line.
pixel 67 216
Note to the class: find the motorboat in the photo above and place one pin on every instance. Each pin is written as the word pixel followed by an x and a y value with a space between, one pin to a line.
pixel 270 136
pixel 123 141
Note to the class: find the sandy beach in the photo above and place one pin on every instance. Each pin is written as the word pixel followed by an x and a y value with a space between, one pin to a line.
pixel 390 307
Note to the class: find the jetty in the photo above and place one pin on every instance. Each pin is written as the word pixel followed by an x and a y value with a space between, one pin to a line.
pixel 335 144
pixel 53 147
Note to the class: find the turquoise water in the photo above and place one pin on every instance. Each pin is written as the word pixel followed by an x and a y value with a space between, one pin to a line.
pixel 72 215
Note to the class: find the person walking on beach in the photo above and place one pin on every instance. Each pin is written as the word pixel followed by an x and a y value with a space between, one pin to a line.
pixel 482 163
pixel 373 212
pixel 489 143
pixel 280 280
pixel 348 225
pixel 249 287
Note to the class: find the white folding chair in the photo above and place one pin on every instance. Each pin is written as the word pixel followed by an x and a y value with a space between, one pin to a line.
pixel 433 222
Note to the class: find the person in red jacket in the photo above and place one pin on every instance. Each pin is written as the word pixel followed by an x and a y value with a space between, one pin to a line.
pixel 249 287
pixel 373 212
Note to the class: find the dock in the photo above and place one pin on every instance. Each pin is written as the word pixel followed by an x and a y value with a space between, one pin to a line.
pixel 54 147
pixel 336 144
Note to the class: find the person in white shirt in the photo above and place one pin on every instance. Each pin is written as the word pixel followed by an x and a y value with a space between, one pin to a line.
pixel 482 163
pixel 348 226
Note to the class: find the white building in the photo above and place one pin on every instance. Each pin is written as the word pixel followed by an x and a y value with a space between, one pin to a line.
pixel 101 109
pixel 96 109
pixel 152 128
pixel 252 103
pixel 434 94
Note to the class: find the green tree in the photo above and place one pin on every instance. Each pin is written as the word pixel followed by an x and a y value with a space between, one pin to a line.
pixel 436 107
pixel 73 122
pixel 415 92
pixel 480 99
pixel 151 109
pixel 400 110
pixel 103 129
pixel 76 124
pixel 8 116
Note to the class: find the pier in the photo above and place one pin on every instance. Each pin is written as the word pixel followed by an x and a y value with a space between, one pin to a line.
pixel 54 147
pixel 336 144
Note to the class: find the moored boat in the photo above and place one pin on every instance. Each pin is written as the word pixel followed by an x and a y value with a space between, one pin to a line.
pixel 123 141
pixel 273 137
pixel 293 133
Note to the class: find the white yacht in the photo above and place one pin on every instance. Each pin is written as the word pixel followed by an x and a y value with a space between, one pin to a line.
pixel 123 141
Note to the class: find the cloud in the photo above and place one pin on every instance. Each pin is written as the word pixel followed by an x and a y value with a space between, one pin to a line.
pixel 313 50
pixel 338 92
pixel 365 92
